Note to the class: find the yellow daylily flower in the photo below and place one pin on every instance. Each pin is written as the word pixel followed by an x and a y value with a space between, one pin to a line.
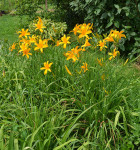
pixel 46 67
pixel 42 44
pixel 65 40
pixel 32 39
pixel 76 28
pixel 76 50
pixel 115 36
pixel 71 55
pixel 23 33
pixel 84 30
pixel 113 54
pixel 39 26
pixel 25 50
pixel 109 39
pixel 84 67
pixel 100 61
pixel 86 43
pixel 25 41
pixel 12 47
pixel 102 45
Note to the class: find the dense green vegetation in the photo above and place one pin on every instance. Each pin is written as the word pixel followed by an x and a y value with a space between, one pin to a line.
pixel 93 109
pixel 107 15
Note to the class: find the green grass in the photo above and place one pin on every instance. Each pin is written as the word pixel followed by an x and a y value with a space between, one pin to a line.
pixel 8 27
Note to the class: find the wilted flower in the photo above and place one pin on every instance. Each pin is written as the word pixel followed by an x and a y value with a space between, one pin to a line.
pixel 100 61
pixel 113 54
pixel 12 47
pixel 84 67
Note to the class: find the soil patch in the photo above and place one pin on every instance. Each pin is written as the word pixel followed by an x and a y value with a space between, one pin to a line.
pixel 2 12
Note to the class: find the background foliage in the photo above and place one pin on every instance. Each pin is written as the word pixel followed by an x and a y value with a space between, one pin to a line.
pixel 53 29
pixel 106 15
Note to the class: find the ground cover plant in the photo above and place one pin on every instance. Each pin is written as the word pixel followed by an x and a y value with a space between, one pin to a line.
pixel 69 93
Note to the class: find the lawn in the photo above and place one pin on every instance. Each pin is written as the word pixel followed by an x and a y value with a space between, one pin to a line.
pixel 8 27
pixel 89 100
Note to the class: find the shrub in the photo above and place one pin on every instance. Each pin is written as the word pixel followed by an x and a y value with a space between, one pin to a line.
pixel 53 29
pixel 117 15
pixel 67 14
pixel 27 7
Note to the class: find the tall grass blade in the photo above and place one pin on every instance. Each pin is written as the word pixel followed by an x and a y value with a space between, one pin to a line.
pixel 35 132
pixel 61 146
pixel 124 120
pixel 11 142
pixel 16 144
pixel 116 118
pixel 66 134
pixel 1 138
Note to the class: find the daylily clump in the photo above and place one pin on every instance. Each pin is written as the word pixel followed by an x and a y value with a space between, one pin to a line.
pixel 85 39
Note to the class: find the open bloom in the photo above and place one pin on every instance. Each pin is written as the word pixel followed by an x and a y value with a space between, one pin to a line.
pixel 32 39
pixel 84 30
pixel 23 33
pixel 102 45
pixel 39 26
pixel 42 44
pixel 25 41
pixel 76 50
pixel 71 55
pixel 46 67
pixel 65 41
pixel 25 50
pixel 115 36
pixel 113 54
pixel 84 67
pixel 76 28
pixel 86 43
